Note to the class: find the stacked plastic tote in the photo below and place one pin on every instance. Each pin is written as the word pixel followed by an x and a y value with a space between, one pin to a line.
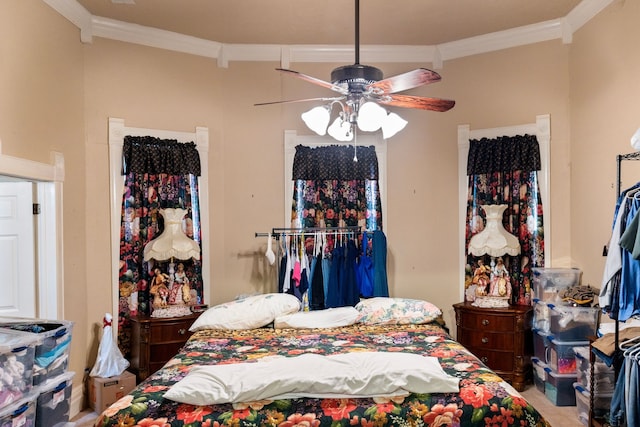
pixel 35 385
pixel 561 328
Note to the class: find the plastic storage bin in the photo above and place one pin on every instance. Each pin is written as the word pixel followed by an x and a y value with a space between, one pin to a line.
pixel 573 323
pixel 20 413
pixel 52 352
pixel 541 341
pixel 539 374
pixel 601 402
pixel 559 388
pixel 541 316
pixel 604 375
pixel 17 355
pixel 54 400
pixel 549 282
pixel 562 357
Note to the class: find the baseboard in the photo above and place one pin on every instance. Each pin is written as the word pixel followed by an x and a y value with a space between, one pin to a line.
pixel 77 403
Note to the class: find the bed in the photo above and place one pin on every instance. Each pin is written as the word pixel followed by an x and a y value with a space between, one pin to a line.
pixel 482 398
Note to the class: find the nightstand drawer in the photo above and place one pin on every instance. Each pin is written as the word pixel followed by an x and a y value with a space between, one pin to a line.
pixel 486 340
pixel 499 361
pixel 170 331
pixel 162 353
pixel 488 322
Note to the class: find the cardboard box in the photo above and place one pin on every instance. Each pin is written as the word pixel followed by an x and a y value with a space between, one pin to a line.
pixel 103 392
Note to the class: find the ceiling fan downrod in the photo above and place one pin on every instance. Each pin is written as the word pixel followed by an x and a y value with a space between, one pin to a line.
pixel 356 76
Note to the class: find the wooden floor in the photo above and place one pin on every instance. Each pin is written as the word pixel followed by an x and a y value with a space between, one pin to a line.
pixel 557 416
pixel 85 418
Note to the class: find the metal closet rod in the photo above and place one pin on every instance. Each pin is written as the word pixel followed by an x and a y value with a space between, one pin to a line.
pixel 275 232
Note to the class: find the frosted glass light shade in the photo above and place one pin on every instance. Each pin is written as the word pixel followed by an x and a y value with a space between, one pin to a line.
pixel 371 116
pixel 172 243
pixel 494 240
pixel 340 130
pixel 392 125
pixel 317 119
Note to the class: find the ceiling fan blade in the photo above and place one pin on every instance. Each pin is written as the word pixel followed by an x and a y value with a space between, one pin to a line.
pixel 419 102
pixel 405 81
pixel 337 98
pixel 313 80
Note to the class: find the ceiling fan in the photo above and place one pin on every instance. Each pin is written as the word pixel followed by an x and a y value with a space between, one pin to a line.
pixel 362 89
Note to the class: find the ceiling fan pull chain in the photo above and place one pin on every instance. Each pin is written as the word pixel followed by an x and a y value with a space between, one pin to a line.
pixel 355 144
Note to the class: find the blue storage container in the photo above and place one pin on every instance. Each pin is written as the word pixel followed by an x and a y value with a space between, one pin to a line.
pixel 17 355
pixel 54 400
pixel 52 352
pixel 573 323
pixel 558 388
pixel 20 413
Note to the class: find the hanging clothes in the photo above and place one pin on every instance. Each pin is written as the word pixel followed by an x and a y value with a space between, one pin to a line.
pixel 365 269
pixel 620 291
pixel 380 283
pixel 351 293
pixel 316 290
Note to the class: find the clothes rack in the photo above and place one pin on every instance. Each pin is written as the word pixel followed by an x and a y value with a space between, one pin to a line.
pixel 351 261
pixel 276 232
pixel 619 159
pixel 593 421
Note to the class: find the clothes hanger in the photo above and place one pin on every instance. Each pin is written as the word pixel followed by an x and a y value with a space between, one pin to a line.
pixel 271 256
pixel 633 352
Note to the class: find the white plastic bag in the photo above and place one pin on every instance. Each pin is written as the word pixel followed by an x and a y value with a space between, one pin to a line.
pixel 110 361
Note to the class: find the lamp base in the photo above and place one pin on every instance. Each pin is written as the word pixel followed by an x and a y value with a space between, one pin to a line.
pixel 491 302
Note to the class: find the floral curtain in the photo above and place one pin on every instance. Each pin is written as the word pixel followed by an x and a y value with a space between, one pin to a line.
pixel 336 186
pixel 158 174
pixel 504 171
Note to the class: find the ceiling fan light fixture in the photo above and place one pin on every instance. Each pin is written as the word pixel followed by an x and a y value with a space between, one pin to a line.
pixel 371 116
pixel 392 125
pixel 340 130
pixel 317 119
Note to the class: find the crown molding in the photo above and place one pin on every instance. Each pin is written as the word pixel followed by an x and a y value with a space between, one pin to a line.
pixel 95 26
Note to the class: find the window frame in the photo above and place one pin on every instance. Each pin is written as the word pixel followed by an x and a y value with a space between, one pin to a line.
pixel 292 139
pixel 542 130
pixel 117 132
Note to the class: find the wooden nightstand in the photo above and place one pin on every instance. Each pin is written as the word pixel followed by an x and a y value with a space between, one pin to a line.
pixel 500 337
pixel 155 340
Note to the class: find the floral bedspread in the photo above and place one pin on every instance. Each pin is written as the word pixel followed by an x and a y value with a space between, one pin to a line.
pixel 484 398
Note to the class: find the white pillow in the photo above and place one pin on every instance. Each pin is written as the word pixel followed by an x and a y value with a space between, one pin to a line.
pixel 396 311
pixel 329 318
pixel 251 312
pixel 348 375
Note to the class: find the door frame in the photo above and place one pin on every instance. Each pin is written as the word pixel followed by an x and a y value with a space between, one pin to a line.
pixel 48 179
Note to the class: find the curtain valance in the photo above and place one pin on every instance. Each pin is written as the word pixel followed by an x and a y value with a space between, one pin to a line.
pixel 147 154
pixel 335 162
pixel 503 154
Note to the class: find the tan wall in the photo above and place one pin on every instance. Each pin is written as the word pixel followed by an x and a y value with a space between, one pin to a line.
pixel 42 110
pixel 605 112
pixel 161 89
pixel 72 101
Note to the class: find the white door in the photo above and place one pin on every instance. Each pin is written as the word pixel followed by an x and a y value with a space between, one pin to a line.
pixel 17 254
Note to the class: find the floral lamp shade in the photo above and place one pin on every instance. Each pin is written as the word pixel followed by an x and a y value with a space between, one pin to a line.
pixel 494 240
pixel 172 243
